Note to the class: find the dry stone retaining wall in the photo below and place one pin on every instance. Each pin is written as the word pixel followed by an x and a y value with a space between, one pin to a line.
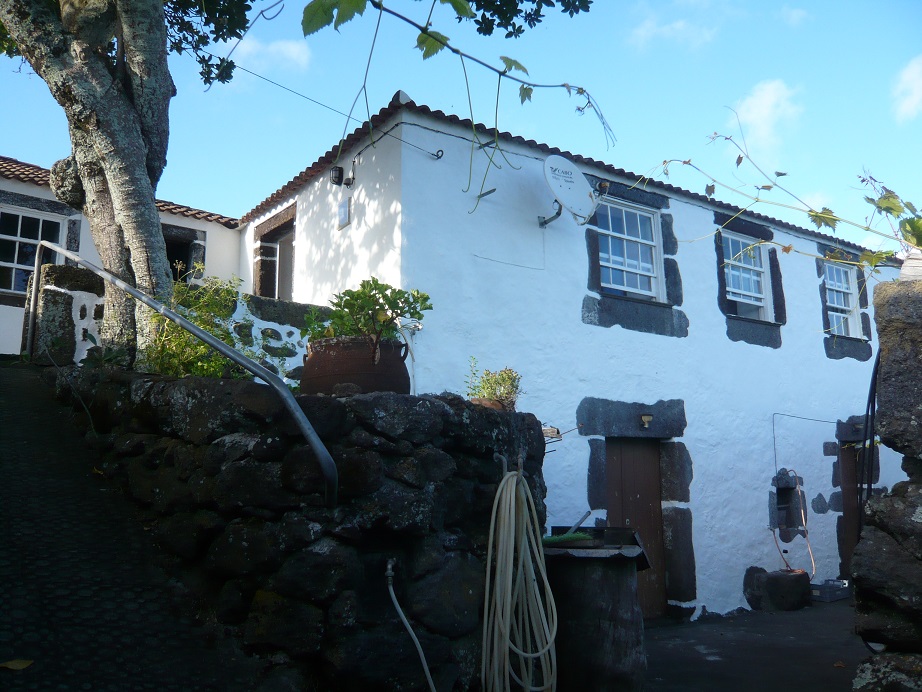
pixel 237 497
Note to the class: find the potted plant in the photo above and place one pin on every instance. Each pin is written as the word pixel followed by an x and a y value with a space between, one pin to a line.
pixel 358 339
pixel 498 390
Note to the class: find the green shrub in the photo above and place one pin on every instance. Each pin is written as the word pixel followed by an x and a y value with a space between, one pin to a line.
pixel 504 386
pixel 209 305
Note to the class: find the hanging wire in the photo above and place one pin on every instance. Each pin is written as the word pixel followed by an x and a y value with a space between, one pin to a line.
pixel 262 14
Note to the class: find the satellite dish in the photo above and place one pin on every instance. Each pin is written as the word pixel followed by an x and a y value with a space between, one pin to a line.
pixel 570 188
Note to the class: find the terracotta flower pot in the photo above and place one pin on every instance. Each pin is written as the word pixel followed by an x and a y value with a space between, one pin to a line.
pixel 353 359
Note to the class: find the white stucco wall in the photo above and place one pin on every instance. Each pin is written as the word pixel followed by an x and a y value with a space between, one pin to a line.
pixel 222 250
pixel 328 258
pixel 511 293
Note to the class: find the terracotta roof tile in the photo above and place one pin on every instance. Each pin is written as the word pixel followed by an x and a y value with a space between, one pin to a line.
pixel 30 173
pixel 401 101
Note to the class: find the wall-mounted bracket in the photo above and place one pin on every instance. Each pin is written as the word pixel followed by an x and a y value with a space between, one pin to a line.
pixel 543 221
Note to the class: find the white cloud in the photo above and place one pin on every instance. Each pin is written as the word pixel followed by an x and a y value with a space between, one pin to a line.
pixel 762 114
pixel 256 55
pixel 907 93
pixel 679 31
pixel 794 16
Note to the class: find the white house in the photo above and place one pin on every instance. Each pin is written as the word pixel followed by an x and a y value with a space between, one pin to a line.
pixel 29 212
pixel 698 354
pixel 705 363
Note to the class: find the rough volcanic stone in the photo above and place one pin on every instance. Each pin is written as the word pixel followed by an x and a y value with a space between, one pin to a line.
pixel 276 622
pixel 395 507
pixel 883 623
pixel 436 464
pixel 247 546
pixel 301 472
pixel 898 313
pixel 319 572
pixel 900 515
pixel 889 672
pixel 384 657
pixel 449 601
pixel 884 569
pixel 404 469
pixel 360 472
pixel 399 416
pixel 233 602
pixel 249 483
pixel 328 416
pixel 187 534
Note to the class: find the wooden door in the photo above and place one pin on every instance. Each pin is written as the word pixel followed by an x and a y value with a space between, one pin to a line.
pixel 634 498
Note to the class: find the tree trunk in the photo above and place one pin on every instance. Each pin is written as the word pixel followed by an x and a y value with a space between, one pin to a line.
pixel 117 114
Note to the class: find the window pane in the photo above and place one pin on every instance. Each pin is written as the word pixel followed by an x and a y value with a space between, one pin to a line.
pixel 7 250
pixel 28 227
pixel 646 228
pixel 604 248
pixel 605 275
pixel 6 277
pixel 646 258
pixel 617 252
pixel 646 283
pixel 617 277
pixel 617 221
pixel 9 224
pixel 632 256
pixel 600 218
pixel 51 231
pixel 26 254
pixel 632 228
pixel 20 279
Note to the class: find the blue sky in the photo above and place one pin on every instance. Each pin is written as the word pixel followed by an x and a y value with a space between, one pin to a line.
pixel 824 91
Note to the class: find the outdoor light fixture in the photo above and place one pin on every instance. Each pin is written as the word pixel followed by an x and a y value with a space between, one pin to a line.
pixel 645 419
pixel 336 175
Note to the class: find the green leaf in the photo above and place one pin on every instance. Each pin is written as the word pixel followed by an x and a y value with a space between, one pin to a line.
pixel 430 43
pixel 889 203
pixel 462 8
pixel 347 10
pixel 709 189
pixel 512 64
pixel 824 217
pixel 872 259
pixel 525 93
pixel 317 15
pixel 910 206
pixel 911 229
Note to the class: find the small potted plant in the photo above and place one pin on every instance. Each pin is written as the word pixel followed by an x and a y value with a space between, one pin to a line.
pixel 357 339
pixel 498 390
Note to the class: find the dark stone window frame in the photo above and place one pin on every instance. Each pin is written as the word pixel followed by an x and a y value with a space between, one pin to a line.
pixel 265 252
pixel 835 346
pixel 636 313
pixel 765 333
pixel 194 240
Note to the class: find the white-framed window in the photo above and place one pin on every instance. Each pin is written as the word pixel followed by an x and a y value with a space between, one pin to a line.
pixel 747 277
pixel 20 233
pixel 842 299
pixel 630 250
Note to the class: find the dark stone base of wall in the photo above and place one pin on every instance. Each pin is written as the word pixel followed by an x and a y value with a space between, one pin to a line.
pixel 237 498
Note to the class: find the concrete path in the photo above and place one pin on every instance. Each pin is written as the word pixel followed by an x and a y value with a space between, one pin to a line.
pixel 812 649
pixel 80 591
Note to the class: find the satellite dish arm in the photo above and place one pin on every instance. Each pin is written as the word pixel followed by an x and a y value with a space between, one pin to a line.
pixel 543 221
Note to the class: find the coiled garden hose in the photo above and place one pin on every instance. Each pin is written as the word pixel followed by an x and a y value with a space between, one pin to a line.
pixel 520 618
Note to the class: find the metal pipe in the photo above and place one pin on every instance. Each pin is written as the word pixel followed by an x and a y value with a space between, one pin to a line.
pixel 327 465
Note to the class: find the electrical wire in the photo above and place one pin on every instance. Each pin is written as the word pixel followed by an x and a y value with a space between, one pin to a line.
pixel 403 618
pixel 520 617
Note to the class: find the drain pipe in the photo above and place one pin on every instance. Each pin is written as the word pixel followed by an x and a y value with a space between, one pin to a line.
pixel 327 465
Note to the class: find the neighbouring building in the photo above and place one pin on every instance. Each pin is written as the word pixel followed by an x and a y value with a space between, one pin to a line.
pixel 708 366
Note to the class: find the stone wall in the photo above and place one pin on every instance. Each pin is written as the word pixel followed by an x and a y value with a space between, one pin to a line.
pixel 237 497
pixel 887 563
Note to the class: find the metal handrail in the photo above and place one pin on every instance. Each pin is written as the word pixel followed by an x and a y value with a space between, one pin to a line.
pixel 327 465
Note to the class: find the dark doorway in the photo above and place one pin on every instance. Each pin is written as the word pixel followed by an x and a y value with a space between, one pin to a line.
pixel 634 500
pixel 847 531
